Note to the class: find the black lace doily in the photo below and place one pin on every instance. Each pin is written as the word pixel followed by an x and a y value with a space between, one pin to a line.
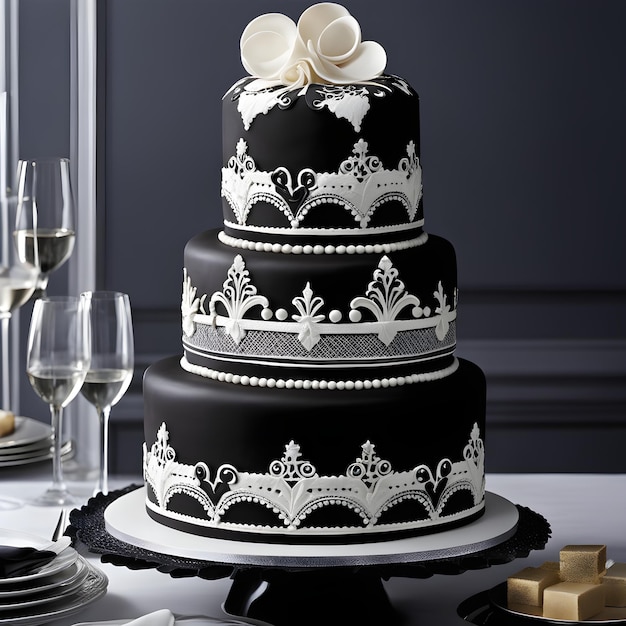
pixel 281 586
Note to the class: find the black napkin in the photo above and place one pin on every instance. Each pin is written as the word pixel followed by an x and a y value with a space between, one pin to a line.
pixel 18 561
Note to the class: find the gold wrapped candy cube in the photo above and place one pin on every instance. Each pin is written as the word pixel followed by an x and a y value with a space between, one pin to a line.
pixel 573 601
pixel 527 586
pixel 583 563
pixel 614 583
pixel 7 423
pixel 551 565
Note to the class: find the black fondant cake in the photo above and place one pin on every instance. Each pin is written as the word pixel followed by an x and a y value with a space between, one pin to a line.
pixel 318 398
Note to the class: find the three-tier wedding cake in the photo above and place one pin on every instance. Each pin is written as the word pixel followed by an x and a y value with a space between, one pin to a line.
pixel 318 398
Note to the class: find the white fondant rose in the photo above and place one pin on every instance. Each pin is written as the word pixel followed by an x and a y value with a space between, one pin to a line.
pixel 324 47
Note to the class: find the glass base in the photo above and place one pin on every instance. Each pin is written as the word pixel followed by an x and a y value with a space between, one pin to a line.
pixel 54 497
pixel 8 504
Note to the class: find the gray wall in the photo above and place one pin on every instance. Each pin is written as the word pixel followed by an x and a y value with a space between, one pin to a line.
pixel 44 114
pixel 523 150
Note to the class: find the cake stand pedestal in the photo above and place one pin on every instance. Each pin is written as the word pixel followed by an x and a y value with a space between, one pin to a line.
pixel 275 582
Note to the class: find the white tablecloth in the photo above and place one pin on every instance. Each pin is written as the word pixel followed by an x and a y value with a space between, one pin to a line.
pixel 581 509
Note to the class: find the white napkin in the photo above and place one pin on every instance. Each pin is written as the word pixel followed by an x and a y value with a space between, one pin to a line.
pixel 162 617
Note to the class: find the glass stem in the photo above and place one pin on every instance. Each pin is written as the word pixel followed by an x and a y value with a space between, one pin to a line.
pixel 6 378
pixel 42 286
pixel 57 466
pixel 103 485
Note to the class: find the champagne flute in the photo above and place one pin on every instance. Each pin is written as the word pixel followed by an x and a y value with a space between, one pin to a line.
pixel 18 281
pixel 112 363
pixel 45 208
pixel 57 363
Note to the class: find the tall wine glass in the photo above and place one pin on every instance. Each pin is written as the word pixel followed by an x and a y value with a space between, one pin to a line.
pixel 45 208
pixel 18 281
pixel 57 363
pixel 112 362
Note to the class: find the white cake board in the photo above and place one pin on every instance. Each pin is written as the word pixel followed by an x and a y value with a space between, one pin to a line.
pixel 126 519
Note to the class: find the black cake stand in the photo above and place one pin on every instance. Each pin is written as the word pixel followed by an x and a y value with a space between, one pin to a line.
pixel 272 582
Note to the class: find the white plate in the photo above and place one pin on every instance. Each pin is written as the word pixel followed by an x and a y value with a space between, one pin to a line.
pixel 39 595
pixel 27 430
pixel 65 579
pixel 17 454
pixel 60 562
pixel 20 539
pixel 37 456
pixel 93 587
pixel 37 446
pixel 64 559
pixel 20 455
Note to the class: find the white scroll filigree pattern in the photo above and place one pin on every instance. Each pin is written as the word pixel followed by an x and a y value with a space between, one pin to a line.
pixel 360 186
pixel 293 488
pixel 385 298
pixel 239 295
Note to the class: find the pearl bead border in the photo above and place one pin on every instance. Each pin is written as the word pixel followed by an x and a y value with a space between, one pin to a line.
pixel 304 383
pixel 287 248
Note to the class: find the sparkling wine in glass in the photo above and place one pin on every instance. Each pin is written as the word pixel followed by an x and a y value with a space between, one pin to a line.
pixel 18 281
pixel 45 214
pixel 57 362
pixel 112 362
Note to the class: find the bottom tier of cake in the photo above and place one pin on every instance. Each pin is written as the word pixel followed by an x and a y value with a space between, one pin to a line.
pixel 315 465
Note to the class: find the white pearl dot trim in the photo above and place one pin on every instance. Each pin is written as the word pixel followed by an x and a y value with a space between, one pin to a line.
pixel 303 383
pixel 287 248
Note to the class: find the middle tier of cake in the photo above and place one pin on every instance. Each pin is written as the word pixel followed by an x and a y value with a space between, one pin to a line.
pixel 319 315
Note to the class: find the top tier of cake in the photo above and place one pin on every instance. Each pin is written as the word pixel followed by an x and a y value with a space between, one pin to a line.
pixel 309 157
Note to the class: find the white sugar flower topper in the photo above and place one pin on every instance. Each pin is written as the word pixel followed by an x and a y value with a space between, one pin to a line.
pixel 324 47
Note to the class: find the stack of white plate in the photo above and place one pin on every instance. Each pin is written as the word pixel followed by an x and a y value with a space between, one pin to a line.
pixel 61 587
pixel 28 443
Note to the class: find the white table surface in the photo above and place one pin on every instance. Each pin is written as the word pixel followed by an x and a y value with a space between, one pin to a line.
pixel 580 508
